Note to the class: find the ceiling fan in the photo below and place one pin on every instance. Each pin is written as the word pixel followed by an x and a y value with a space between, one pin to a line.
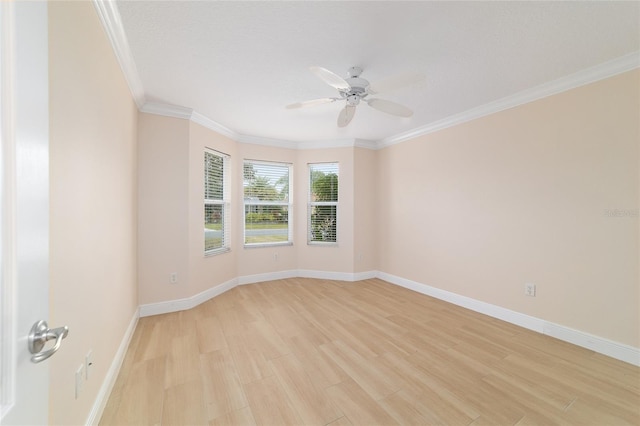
pixel 355 89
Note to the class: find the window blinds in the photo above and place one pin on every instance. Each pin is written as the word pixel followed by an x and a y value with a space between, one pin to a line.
pixel 267 203
pixel 323 203
pixel 216 202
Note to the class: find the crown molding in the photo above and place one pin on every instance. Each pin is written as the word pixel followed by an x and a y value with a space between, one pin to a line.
pixel 258 140
pixel 323 144
pixel 184 113
pixel 366 143
pixel 306 145
pixel 200 119
pixel 176 111
pixel 112 24
pixel 581 78
pixel 590 75
pixel 110 18
pixel 328 143
pixel 167 110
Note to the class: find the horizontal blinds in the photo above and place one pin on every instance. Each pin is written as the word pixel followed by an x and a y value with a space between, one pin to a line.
pixel 324 182
pixel 266 182
pixel 213 176
pixel 323 223
pixel 267 203
pixel 323 202
pixel 217 208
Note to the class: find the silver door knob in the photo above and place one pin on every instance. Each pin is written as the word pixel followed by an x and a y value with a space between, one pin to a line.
pixel 40 334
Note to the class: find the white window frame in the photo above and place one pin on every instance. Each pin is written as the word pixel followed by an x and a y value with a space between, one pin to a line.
pixel 225 202
pixel 311 204
pixel 287 203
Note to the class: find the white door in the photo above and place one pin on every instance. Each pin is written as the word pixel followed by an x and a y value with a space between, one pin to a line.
pixel 24 181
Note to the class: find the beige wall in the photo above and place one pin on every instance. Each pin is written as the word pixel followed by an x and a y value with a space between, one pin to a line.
pixel 171 217
pixel 260 260
pixel 171 214
pixel 365 223
pixel 520 196
pixel 163 208
pixel 210 271
pixel 328 258
pixel 93 204
pixel 478 209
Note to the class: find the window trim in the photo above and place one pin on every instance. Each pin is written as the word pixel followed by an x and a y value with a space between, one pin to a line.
pixel 225 203
pixel 288 204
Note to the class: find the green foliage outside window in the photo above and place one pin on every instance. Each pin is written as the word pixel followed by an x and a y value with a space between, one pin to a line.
pixel 323 203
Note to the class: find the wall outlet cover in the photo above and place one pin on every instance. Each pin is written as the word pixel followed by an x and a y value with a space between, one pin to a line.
pixel 530 289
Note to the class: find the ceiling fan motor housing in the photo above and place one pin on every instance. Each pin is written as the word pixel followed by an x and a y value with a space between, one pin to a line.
pixel 357 83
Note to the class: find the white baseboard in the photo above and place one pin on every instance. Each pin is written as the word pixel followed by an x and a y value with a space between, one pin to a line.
pixel 269 276
pixel 186 303
pixel 494 311
pixel 307 273
pixel 193 301
pixel 326 275
pixel 601 345
pixel 366 275
pixel 107 385
pixel 606 347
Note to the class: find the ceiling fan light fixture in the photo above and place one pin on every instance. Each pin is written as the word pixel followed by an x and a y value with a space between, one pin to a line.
pixel 353 100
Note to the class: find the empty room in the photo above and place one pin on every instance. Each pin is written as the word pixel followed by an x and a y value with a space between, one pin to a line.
pixel 320 213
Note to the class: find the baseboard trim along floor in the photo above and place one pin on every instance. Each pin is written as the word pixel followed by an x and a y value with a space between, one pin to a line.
pixel 598 344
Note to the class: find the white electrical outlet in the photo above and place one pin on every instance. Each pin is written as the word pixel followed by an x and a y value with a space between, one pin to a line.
pixel 79 380
pixel 88 364
pixel 530 289
pixel 174 278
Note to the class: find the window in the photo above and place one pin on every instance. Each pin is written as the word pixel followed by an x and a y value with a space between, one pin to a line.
pixel 267 203
pixel 216 202
pixel 323 203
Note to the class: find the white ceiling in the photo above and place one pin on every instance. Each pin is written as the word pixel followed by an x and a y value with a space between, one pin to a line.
pixel 239 63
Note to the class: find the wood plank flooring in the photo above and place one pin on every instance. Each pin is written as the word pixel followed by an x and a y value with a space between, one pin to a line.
pixel 317 352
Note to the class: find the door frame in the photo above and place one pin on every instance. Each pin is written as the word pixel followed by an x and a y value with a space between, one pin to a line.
pixel 24 192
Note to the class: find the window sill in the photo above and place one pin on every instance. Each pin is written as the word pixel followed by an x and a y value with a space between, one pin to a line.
pixel 216 252
pixel 323 243
pixel 261 245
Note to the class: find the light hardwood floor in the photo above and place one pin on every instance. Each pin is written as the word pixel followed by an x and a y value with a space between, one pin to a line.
pixel 317 352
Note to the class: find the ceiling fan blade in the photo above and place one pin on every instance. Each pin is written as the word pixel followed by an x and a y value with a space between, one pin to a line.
pixel 346 115
pixel 396 82
pixel 330 78
pixel 311 103
pixel 390 107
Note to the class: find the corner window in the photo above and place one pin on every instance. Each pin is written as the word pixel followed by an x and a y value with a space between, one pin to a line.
pixel 267 203
pixel 323 203
pixel 216 202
